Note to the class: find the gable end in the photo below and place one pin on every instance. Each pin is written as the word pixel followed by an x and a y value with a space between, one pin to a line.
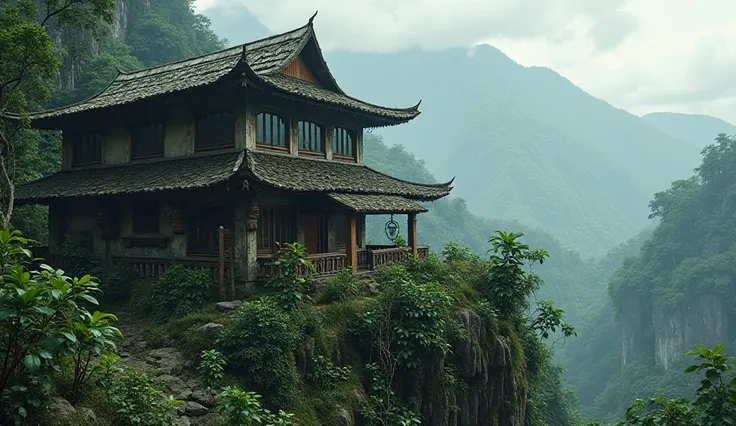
pixel 299 69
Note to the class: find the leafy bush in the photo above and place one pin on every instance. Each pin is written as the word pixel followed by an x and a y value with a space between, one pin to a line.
pixel 133 399
pixel 42 316
pixel 326 373
pixel 292 270
pixel 454 252
pixel 179 291
pixel 244 409
pixel 259 346
pixel 211 368
pixel 341 287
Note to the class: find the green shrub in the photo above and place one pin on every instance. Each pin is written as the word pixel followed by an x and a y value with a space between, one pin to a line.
pixel 289 281
pixel 211 368
pixel 326 373
pixel 244 409
pixel 341 287
pixel 179 291
pixel 132 399
pixel 259 346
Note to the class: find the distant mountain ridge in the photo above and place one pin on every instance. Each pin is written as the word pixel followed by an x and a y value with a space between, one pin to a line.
pixel 698 129
pixel 524 143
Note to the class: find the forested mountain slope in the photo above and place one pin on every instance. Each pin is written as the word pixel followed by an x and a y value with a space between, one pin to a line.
pixel 697 129
pixel 524 143
pixel 678 291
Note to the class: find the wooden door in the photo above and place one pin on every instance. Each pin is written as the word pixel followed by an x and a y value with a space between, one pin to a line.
pixel 311 233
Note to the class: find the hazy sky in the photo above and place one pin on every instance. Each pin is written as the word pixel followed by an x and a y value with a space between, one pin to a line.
pixel 640 55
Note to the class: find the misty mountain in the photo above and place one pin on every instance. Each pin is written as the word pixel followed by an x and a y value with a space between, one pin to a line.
pixel 698 129
pixel 524 143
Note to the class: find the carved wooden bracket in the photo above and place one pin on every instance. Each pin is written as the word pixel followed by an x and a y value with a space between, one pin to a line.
pixel 177 218
pixel 253 218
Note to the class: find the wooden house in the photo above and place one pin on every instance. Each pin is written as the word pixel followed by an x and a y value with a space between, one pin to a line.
pixel 257 138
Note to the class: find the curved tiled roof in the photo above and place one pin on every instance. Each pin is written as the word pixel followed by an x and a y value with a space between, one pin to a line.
pixel 262 59
pixel 159 175
pixel 355 186
pixel 377 204
pixel 302 174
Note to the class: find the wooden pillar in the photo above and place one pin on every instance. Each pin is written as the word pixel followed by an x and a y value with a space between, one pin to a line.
pixel 351 233
pixel 412 231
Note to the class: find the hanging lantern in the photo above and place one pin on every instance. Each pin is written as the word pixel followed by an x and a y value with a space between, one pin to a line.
pixel 392 229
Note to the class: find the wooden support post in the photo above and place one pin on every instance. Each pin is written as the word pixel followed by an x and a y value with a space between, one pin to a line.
pixel 351 243
pixel 412 230
pixel 221 234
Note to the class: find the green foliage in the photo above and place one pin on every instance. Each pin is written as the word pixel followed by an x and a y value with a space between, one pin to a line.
pixel 131 397
pixel 715 402
pixel 94 335
pixel 508 285
pixel 341 287
pixel 407 322
pixel 454 252
pixel 179 291
pixel 171 31
pixel 44 318
pixel 293 268
pixel 258 345
pixel 383 407
pixel 243 408
pixel 326 374
pixel 211 368
pixel 548 319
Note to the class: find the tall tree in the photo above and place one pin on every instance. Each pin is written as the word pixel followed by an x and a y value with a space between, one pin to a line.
pixel 28 65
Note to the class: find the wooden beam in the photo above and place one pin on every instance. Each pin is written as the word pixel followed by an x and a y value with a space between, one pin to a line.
pixel 351 250
pixel 412 230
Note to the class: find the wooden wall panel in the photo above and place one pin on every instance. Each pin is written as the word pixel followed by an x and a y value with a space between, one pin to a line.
pixel 298 69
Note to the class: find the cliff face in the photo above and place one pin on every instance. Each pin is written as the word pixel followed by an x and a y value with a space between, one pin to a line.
pixel 666 333
pixel 490 388
pixel 703 320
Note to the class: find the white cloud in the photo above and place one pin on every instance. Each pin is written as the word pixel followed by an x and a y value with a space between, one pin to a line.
pixel 641 55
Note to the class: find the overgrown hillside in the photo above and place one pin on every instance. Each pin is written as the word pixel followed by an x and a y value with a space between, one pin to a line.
pixel 697 129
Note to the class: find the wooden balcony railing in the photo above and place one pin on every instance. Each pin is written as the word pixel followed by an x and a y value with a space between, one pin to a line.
pixel 325 264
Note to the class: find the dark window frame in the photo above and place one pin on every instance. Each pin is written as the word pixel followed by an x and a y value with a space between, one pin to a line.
pixel 318 128
pixel 267 223
pixel 96 145
pixel 158 141
pixel 207 243
pixel 352 133
pixel 261 139
pixel 149 225
pixel 204 137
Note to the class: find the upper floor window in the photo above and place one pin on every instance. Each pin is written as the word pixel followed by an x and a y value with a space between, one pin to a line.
pixel 148 141
pixel 270 130
pixel 343 142
pixel 87 149
pixel 146 218
pixel 215 130
pixel 310 136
